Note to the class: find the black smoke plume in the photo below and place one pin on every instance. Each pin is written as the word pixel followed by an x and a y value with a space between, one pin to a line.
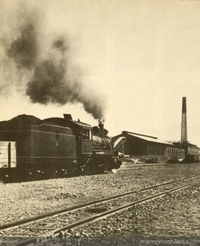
pixel 55 81
pixel 49 85
pixel 51 77
pixel 23 50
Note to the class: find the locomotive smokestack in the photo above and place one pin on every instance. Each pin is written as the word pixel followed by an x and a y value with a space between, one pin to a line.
pixel 101 126
pixel 184 121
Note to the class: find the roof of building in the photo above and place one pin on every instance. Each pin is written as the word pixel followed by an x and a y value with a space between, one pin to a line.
pixel 118 141
pixel 148 138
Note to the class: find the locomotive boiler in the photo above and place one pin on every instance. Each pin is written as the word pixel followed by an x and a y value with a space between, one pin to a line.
pixel 55 147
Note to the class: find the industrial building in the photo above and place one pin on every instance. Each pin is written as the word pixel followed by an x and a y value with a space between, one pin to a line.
pixel 136 145
pixel 150 149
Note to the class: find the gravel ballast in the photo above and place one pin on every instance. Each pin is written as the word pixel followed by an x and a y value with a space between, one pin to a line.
pixel 174 215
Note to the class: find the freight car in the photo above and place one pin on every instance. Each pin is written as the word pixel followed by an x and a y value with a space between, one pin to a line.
pixel 183 153
pixel 55 147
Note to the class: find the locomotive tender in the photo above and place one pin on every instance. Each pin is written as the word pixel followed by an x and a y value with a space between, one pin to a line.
pixel 55 147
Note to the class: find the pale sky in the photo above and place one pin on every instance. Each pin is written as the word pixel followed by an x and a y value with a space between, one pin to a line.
pixel 140 57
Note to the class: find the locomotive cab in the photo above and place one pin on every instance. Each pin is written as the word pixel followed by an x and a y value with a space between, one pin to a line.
pixel 83 133
pixel 86 140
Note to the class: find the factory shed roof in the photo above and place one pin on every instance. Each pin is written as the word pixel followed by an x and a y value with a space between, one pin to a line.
pixel 148 138
pixel 118 141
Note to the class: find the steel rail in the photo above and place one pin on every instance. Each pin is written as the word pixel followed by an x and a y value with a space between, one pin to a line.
pixel 132 166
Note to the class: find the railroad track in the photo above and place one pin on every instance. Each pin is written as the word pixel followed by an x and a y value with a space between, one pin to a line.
pixel 129 165
pixel 45 226
pixel 132 165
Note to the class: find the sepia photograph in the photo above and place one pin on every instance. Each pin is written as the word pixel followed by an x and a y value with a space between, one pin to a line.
pixel 99 122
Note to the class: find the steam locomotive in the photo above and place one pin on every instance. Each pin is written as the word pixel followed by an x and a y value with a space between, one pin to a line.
pixel 55 147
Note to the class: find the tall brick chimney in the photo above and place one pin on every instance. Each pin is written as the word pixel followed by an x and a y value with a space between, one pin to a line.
pixel 184 121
